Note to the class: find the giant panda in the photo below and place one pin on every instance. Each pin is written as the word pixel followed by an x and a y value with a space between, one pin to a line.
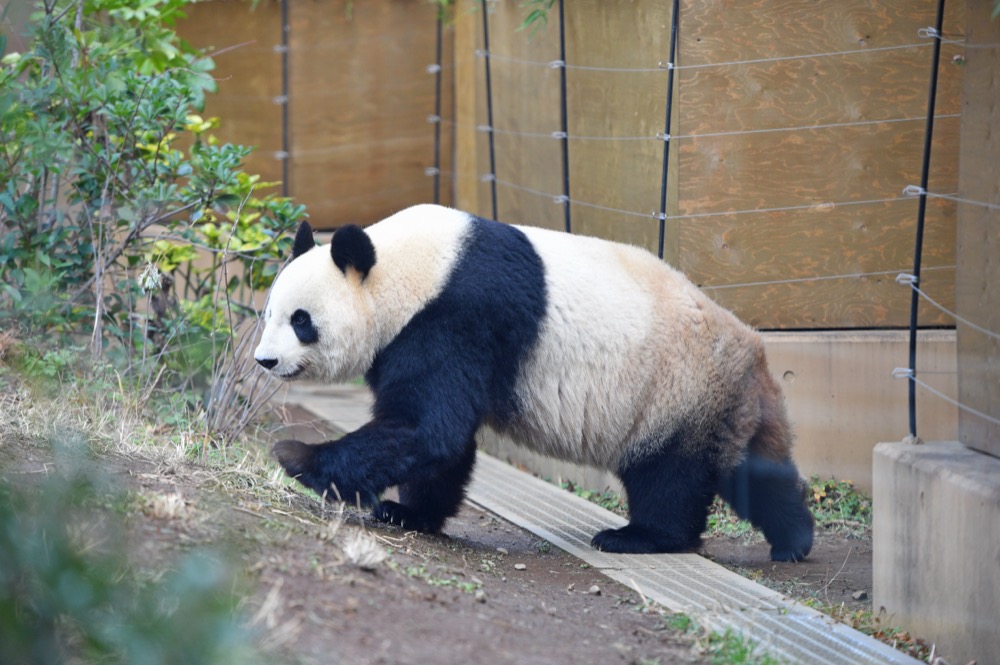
pixel 581 349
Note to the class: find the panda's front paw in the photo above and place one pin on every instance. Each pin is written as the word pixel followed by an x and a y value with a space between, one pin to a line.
pixel 299 461
pixel 391 512
pixel 294 456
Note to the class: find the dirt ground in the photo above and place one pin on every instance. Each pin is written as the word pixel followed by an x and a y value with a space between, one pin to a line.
pixel 485 591
pixel 837 572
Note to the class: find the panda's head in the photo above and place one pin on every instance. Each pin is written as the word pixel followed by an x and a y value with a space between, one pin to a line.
pixel 318 320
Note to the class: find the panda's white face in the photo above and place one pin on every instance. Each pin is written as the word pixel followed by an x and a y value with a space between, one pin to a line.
pixel 317 322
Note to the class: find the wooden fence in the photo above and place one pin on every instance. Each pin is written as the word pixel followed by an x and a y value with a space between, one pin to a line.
pixel 795 128
pixel 339 108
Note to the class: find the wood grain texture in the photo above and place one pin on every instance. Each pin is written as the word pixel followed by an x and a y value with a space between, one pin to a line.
pixel 812 167
pixel 249 76
pixel 720 31
pixel 525 99
pixel 754 165
pixel 820 167
pixel 761 251
pixel 468 93
pixel 625 175
pixel 978 299
pixel 360 98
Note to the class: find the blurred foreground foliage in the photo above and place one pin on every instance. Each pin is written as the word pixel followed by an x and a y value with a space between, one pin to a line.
pixel 68 592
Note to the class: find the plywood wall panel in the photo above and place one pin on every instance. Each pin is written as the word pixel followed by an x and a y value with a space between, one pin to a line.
pixel 360 98
pixel 248 71
pixel 799 142
pixel 619 174
pixel 525 101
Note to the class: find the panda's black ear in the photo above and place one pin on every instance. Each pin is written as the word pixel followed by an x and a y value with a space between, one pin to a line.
pixel 304 240
pixel 352 247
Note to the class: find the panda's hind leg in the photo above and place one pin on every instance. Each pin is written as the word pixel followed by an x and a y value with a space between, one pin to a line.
pixel 425 504
pixel 668 496
pixel 772 496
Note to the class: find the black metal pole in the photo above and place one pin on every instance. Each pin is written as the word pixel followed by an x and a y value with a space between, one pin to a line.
pixel 921 212
pixel 286 153
pixel 437 114
pixel 674 20
pixel 564 117
pixel 489 107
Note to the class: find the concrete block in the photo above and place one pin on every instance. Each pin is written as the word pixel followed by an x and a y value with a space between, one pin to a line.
pixel 842 397
pixel 936 559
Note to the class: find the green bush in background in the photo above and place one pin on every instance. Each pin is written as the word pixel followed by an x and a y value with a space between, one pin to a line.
pixel 124 225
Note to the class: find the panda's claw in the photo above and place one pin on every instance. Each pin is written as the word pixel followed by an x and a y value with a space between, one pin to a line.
pixel 402 516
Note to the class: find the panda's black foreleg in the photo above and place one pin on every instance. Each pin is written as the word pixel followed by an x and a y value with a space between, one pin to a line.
pixel 426 503
pixel 771 495
pixel 360 466
pixel 668 497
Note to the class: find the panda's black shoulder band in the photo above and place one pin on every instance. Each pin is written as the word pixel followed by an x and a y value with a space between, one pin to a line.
pixel 352 247
pixel 304 240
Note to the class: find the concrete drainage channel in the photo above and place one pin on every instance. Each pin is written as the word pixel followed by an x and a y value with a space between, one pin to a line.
pixel 680 582
pixel 686 583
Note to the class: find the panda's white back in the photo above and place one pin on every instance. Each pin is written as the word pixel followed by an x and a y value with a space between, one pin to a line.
pixel 628 347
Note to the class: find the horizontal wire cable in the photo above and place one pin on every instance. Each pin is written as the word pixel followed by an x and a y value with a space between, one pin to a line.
pixel 960 319
pixel 559 64
pixel 700 215
pixel 906 374
pixel 917 190
pixel 932 33
pixel 819 278
pixel 558 135
pixel 831 125
pixel 804 56
pixel 560 199
pixel 661 67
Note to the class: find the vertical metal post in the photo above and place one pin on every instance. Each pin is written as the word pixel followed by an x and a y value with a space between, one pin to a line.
pixel 921 212
pixel 437 113
pixel 564 117
pixel 674 20
pixel 285 120
pixel 489 106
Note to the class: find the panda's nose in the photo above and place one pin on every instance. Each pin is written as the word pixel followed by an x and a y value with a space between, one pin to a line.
pixel 267 363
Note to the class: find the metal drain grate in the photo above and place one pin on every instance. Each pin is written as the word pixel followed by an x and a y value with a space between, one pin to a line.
pixel 681 582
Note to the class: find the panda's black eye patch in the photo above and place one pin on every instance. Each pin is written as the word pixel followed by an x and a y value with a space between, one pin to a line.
pixel 303 326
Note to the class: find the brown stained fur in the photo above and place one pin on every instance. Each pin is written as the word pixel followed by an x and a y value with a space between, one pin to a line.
pixel 773 439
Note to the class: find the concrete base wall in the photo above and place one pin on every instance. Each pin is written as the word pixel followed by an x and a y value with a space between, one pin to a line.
pixel 936 559
pixel 841 396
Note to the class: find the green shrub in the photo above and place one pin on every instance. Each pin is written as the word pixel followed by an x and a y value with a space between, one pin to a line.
pixel 122 219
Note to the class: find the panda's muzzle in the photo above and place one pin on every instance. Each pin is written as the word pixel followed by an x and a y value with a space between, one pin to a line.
pixel 270 363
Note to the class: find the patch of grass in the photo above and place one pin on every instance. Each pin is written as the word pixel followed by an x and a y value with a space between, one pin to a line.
pixel 729 647
pixel 722 521
pixel 837 504
pixel 877 625
pixel 436 579
pixel 607 499
pixel 733 648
